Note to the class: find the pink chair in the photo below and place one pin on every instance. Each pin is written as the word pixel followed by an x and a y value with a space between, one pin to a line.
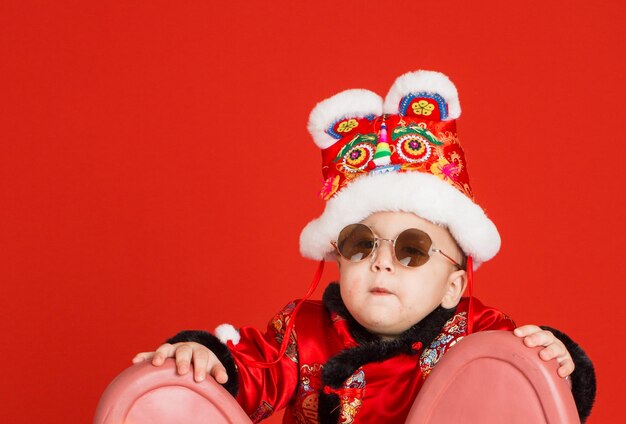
pixel 145 394
pixel 488 377
pixel 491 377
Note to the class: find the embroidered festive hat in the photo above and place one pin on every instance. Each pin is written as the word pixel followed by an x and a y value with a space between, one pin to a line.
pixel 402 154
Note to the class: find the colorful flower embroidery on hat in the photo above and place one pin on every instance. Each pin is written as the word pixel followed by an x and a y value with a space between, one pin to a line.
pixel 422 107
pixel 445 170
pixel 341 128
pixel 330 186
pixel 413 148
pixel 347 126
pixel 358 157
pixel 417 104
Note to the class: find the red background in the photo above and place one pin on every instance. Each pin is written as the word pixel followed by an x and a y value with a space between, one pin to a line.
pixel 156 171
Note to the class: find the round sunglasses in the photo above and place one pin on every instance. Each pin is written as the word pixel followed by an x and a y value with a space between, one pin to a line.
pixel 412 247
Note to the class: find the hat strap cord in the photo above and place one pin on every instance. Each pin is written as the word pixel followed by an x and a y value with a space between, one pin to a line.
pixel 283 346
pixel 470 283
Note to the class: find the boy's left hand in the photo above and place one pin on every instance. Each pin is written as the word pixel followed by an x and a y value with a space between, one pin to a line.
pixel 554 348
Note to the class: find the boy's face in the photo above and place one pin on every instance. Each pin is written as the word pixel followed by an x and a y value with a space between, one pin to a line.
pixel 387 298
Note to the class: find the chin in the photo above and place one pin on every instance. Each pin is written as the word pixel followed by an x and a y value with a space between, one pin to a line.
pixel 385 333
pixel 379 325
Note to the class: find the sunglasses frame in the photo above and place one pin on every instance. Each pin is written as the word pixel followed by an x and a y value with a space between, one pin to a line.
pixel 393 242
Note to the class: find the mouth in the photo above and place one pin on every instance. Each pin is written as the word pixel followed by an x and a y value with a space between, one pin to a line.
pixel 380 291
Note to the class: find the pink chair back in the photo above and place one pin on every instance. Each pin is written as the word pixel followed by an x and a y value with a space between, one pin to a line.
pixel 488 377
pixel 145 394
pixel 492 377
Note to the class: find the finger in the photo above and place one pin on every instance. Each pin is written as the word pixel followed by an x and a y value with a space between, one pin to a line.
pixel 550 352
pixel 566 367
pixel 143 356
pixel 219 373
pixel 164 351
pixel 526 330
pixel 542 338
pixel 183 358
pixel 200 363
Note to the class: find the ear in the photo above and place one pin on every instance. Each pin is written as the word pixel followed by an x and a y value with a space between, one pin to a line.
pixel 427 95
pixel 455 287
pixel 342 114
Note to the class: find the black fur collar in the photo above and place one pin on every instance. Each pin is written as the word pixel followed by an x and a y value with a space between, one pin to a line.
pixel 370 349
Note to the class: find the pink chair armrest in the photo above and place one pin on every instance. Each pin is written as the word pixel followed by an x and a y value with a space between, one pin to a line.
pixel 144 394
pixel 492 377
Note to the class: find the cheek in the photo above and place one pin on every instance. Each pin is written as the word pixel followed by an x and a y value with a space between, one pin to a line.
pixel 423 291
pixel 351 274
pixel 348 285
pixel 352 282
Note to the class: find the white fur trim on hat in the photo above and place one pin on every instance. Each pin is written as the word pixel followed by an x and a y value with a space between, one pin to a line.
pixel 425 195
pixel 356 103
pixel 423 81
pixel 226 332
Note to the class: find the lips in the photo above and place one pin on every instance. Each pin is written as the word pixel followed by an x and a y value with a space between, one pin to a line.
pixel 379 290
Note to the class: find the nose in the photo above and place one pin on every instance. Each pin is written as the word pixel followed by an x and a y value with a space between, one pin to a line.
pixel 382 259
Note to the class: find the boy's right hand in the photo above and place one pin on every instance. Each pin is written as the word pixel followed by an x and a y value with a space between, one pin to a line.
pixel 185 353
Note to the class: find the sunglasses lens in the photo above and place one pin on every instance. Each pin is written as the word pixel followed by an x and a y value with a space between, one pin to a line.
pixel 355 242
pixel 413 247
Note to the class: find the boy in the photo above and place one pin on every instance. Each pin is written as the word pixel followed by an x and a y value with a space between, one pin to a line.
pixel 403 227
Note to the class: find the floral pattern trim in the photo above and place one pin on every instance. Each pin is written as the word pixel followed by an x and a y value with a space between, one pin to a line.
pixel 262 412
pixel 453 331
pixel 352 399
pixel 305 408
pixel 279 324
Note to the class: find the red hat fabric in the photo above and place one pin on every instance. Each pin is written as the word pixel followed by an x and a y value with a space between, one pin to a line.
pixel 402 154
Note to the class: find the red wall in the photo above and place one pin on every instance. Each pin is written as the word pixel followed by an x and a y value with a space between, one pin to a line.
pixel 156 171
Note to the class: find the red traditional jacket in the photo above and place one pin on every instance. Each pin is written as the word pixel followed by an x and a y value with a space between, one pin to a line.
pixel 335 372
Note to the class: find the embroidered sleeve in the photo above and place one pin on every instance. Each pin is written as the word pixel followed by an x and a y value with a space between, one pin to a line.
pixel 263 390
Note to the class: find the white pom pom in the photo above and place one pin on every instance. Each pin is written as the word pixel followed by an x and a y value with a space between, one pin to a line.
pixel 226 332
